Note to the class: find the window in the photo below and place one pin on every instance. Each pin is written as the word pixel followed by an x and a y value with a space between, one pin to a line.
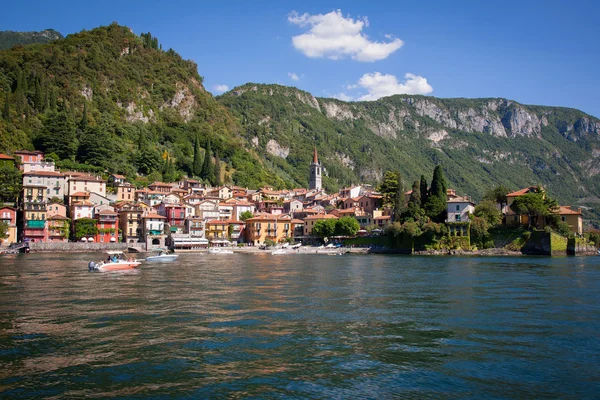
pixel 457 218
pixel 457 207
pixel 563 218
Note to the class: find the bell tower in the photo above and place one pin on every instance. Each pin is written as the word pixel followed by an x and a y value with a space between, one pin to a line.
pixel 316 173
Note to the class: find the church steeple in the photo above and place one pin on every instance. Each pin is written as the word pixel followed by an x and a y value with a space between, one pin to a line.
pixel 316 172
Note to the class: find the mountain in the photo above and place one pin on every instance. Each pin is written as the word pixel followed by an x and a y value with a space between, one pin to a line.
pixel 9 39
pixel 145 109
pixel 480 142
pixel 108 100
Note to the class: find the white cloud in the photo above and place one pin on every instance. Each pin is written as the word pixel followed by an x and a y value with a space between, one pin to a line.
pixel 220 88
pixel 335 37
pixel 380 85
pixel 293 76
pixel 343 96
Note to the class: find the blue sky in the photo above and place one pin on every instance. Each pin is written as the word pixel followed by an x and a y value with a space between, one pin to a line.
pixel 534 52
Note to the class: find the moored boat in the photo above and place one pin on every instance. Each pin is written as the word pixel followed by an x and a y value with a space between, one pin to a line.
pixel 278 252
pixel 219 250
pixel 161 255
pixel 115 261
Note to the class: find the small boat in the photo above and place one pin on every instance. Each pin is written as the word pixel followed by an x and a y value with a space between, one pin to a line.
pixel 161 255
pixel 219 250
pixel 278 252
pixel 115 261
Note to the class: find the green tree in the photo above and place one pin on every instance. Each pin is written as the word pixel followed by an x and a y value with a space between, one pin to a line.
pixel 346 226
pixel 399 206
pixel 479 232
pixel 415 195
pixel 3 230
pixel 96 147
pixel 489 212
pixel 388 187
pixel 197 164
pixel 58 135
pixel 218 181
pixel 10 183
pixel 498 195
pixel 208 169
pixel 424 190
pixel 324 228
pixel 245 215
pixel 532 205
pixel 84 122
pixel 438 183
pixel 6 109
pixel 85 227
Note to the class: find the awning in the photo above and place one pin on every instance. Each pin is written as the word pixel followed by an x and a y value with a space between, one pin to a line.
pixel 113 239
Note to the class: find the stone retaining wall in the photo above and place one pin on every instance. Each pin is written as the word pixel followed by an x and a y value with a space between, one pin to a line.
pixel 75 247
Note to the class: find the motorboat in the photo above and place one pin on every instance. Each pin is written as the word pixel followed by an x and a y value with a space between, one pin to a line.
pixel 219 250
pixel 115 261
pixel 161 255
pixel 278 252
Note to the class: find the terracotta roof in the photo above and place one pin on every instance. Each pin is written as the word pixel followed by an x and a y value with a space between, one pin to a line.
pixel 35 152
pixel 118 176
pixel 521 192
pixel 383 217
pixel 226 221
pixel 80 194
pixel 106 212
pixel 43 173
pixel 567 210
pixel 161 184
pixel 154 216
pixel 321 216
pixel 57 217
pixel 297 221
pixel 5 157
pixel 11 208
pixel 82 203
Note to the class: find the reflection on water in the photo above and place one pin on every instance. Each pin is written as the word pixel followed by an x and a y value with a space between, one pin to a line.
pixel 301 326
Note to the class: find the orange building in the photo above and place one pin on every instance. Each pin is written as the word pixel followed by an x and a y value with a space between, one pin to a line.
pixel 277 228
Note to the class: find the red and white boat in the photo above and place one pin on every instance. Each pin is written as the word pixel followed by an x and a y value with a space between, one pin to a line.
pixel 115 261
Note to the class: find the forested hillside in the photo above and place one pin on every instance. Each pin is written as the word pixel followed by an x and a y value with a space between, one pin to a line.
pixel 9 39
pixel 480 142
pixel 107 99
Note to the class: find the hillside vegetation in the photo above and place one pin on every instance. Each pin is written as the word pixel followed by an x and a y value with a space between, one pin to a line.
pixel 107 98
pixel 9 39
pixel 480 142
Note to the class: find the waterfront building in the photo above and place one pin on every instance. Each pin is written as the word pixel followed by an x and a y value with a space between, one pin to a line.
pixel 277 228
pixel 459 208
pixel 34 213
pixel 9 215
pixel 108 231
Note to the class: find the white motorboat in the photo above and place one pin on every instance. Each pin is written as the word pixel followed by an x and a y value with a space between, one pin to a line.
pixel 115 261
pixel 278 252
pixel 219 250
pixel 162 256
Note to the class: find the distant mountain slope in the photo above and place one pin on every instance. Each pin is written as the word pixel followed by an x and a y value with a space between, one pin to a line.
pixel 148 107
pixel 9 39
pixel 480 142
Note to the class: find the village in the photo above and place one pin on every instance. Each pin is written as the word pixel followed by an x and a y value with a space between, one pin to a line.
pixel 62 206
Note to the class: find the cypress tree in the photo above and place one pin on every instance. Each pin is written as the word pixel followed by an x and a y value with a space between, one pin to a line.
pixel 218 181
pixel 423 190
pixel 438 183
pixel 415 196
pixel 197 165
pixel 6 109
pixel 83 123
pixel 208 169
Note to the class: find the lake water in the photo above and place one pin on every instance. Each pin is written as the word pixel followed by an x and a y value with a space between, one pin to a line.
pixel 301 326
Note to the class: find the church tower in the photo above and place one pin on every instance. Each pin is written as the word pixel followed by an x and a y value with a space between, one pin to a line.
pixel 316 173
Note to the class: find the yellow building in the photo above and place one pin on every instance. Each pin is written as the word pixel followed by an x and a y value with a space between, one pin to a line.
pixel 9 215
pixel 309 222
pixel 277 228
pixel 572 217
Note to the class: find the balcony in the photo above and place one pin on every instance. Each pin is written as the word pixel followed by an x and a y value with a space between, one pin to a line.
pixel 154 232
pixel 36 224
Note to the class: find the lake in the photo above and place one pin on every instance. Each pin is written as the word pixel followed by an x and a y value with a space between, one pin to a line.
pixel 301 326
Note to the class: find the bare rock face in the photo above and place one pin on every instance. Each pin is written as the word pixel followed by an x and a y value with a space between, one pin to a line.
pixel 345 160
pixel 371 174
pixel 473 121
pixel 134 114
pixel 276 149
pixel 433 111
pixel 183 101
pixel 308 99
pixel 87 92
pixel 338 111
pixel 437 136
pixel 255 141
pixel 521 123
